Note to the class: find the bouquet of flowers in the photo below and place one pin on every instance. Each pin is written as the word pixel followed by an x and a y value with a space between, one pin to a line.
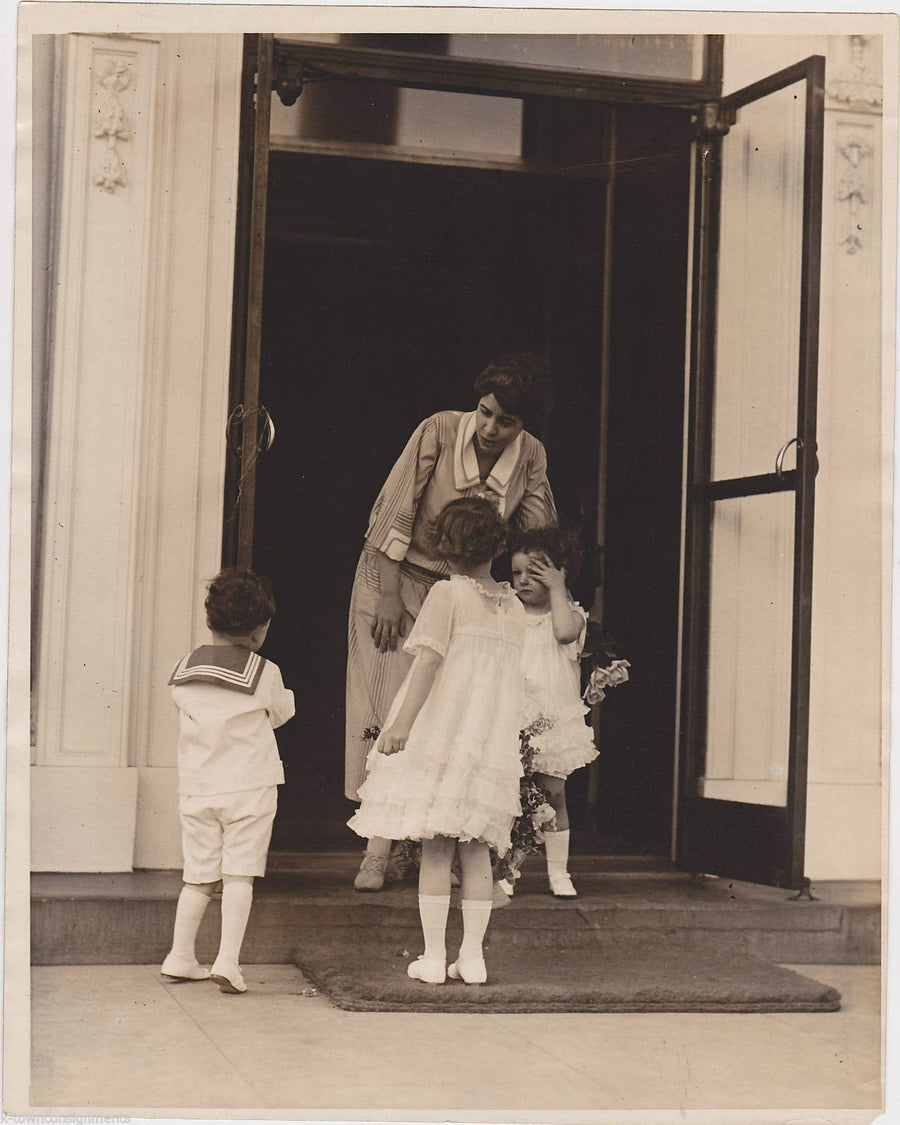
pixel 612 675
pixel 607 669
pixel 537 813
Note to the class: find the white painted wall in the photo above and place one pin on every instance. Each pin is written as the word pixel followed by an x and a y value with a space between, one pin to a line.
pixel 137 404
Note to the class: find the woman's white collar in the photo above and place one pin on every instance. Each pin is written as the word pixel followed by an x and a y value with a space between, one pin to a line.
pixel 465 463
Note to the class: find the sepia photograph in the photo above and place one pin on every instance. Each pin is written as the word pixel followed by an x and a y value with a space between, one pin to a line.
pixel 449 656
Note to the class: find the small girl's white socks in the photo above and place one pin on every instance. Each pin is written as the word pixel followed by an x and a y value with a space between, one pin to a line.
pixel 556 847
pixel 431 967
pixel 237 899
pixel 469 965
pixel 181 962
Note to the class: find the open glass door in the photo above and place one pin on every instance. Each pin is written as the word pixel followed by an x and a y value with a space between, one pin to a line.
pixel 751 476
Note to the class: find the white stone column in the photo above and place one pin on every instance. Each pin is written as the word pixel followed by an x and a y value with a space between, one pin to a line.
pixel 148 143
pixel 844 815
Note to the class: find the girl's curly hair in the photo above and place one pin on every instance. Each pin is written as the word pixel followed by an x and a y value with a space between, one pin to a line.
pixel 238 602
pixel 561 546
pixel 469 530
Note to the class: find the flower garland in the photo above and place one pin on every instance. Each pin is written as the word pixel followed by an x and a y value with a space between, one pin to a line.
pixel 527 833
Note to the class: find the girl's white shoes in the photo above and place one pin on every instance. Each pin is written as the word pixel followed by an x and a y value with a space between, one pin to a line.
pixel 507 886
pixel 561 885
pixel 429 970
pixel 472 970
pixel 228 977
pixel 179 968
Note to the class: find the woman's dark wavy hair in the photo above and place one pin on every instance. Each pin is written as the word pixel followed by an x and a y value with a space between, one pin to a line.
pixel 561 545
pixel 238 602
pixel 469 531
pixel 521 382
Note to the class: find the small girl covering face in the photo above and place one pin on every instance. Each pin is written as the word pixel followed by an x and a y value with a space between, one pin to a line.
pixel 553 643
pixel 446 767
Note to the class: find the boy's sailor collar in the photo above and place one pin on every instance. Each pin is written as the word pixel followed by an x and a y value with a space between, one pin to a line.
pixel 228 666
pixel 465 463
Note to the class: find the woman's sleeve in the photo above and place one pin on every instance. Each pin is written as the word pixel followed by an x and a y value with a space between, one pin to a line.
pixel 434 622
pixel 537 507
pixel 394 511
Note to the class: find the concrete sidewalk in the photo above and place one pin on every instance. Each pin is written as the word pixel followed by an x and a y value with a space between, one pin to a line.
pixel 118 1039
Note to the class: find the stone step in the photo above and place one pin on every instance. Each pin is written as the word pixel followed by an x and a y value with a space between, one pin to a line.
pixel 127 918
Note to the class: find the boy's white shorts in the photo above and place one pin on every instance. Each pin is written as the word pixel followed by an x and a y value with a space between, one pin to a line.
pixel 226 833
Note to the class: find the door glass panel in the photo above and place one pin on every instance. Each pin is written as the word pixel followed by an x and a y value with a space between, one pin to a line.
pixel 758 321
pixel 642 56
pixel 749 685
pixel 651 56
pixel 369 113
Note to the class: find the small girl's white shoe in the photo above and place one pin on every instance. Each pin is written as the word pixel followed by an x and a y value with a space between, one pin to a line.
pixel 180 968
pixel 228 977
pixel 561 885
pixel 507 886
pixel 431 971
pixel 472 970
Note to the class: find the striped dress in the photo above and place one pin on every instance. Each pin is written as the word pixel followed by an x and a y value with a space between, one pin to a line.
pixel 438 465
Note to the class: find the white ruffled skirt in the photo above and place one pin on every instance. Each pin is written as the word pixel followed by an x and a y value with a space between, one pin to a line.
pixel 565 746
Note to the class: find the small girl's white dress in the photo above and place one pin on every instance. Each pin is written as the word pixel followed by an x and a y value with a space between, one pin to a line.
pixel 552 676
pixel 459 772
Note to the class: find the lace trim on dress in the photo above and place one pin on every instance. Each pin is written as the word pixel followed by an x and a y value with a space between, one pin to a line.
pixel 504 590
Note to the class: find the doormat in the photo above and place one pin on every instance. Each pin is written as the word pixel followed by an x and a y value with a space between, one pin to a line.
pixel 364 970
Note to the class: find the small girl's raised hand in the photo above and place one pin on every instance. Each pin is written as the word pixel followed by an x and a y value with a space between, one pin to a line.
pixel 542 569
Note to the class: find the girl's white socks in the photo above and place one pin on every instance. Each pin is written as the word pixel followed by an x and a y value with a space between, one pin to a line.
pixel 469 965
pixel 432 965
pixel 476 915
pixel 556 847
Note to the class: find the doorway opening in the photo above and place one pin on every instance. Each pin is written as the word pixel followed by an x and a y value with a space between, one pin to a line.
pixel 388 287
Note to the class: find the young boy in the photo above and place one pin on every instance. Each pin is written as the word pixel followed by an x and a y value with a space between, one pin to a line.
pixel 229 701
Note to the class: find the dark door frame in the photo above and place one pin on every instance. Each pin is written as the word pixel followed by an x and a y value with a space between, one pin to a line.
pixel 285 66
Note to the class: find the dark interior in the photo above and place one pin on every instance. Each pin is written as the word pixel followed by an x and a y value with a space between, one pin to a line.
pixel 388 287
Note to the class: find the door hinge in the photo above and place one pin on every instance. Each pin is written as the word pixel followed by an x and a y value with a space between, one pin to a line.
pixel 291 74
pixel 713 120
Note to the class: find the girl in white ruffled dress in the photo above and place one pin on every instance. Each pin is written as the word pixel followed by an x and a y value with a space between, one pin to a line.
pixel 553 707
pixel 445 770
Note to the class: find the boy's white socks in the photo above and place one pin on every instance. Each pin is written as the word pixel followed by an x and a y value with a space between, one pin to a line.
pixel 237 899
pixel 432 965
pixel 182 960
pixel 469 964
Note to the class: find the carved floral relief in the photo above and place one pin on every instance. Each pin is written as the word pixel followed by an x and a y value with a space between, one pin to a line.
pixel 111 122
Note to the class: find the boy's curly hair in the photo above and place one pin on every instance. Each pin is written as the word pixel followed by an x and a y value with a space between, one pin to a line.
pixel 469 531
pixel 238 602
pixel 561 545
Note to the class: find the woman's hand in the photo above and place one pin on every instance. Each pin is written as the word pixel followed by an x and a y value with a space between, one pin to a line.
pixel 387 628
pixel 393 740
pixel 543 570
